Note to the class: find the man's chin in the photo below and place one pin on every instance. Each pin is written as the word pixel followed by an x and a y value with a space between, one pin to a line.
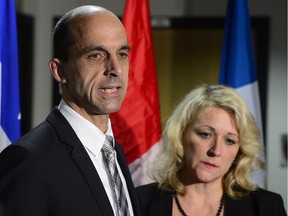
pixel 111 110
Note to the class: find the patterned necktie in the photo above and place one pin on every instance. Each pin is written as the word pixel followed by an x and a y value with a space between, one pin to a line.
pixel 117 186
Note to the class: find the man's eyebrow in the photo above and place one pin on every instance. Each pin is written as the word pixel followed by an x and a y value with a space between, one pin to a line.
pixel 92 48
pixel 103 49
pixel 126 47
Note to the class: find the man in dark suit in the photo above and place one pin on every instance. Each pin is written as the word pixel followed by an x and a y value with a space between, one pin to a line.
pixel 58 168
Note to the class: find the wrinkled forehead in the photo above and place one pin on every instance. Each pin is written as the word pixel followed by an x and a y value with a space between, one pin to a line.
pixel 101 29
pixel 95 22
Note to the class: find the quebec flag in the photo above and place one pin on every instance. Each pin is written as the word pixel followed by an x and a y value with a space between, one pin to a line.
pixel 238 69
pixel 9 80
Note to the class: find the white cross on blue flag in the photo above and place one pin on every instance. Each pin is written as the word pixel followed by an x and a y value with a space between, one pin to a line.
pixel 9 80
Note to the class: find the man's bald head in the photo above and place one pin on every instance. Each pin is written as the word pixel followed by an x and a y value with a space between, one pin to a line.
pixel 62 35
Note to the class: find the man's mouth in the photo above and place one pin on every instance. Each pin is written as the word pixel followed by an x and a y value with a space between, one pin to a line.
pixel 109 90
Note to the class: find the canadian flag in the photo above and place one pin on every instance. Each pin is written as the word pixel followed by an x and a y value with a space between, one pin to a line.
pixel 137 126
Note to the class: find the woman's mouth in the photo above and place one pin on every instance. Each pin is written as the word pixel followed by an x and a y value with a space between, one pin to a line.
pixel 209 165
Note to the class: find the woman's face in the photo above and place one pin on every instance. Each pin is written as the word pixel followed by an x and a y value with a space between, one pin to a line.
pixel 210 146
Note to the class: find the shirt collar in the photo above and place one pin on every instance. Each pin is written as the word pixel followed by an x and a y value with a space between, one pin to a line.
pixel 90 136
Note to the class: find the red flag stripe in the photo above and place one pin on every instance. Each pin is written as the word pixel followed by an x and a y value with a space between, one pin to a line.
pixel 137 124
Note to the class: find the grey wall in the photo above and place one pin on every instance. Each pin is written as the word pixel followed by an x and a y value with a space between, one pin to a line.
pixel 44 11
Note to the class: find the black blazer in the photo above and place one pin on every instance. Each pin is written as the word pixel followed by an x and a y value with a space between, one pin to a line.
pixel 154 202
pixel 48 172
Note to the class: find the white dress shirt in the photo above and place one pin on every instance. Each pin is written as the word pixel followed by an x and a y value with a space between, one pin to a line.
pixel 93 139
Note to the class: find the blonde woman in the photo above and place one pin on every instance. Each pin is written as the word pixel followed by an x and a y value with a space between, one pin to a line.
pixel 210 150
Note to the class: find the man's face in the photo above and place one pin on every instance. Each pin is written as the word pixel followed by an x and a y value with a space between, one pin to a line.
pixel 98 65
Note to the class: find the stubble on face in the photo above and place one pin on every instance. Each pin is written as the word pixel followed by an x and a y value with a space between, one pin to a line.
pixel 97 68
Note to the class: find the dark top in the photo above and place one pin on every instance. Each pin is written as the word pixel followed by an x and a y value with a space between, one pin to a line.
pixel 155 202
pixel 48 172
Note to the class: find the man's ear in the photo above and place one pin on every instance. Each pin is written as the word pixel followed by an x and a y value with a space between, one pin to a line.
pixel 57 70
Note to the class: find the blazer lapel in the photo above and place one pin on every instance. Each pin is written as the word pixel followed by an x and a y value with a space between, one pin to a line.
pixel 82 159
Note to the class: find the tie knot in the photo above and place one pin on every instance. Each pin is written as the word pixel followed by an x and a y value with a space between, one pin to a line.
pixel 108 144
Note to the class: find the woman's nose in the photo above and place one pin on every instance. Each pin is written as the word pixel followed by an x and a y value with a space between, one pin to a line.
pixel 215 150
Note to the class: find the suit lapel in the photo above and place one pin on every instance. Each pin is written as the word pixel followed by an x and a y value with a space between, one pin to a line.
pixel 82 159
pixel 87 168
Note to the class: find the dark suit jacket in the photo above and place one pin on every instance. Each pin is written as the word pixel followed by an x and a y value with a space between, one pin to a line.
pixel 48 172
pixel 154 202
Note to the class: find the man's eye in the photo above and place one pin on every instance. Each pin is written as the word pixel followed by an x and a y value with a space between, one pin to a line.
pixel 123 55
pixel 94 56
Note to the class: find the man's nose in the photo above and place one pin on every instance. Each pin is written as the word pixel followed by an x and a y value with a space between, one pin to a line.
pixel 113 67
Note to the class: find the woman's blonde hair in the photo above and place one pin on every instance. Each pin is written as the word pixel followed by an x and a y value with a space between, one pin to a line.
pixel 237 181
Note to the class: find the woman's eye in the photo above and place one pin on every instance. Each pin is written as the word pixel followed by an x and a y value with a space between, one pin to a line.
pixel 230 141
pixel 205 135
